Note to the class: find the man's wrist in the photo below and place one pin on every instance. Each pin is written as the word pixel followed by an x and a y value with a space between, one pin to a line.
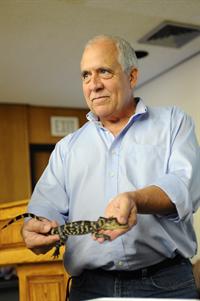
pixel 132 196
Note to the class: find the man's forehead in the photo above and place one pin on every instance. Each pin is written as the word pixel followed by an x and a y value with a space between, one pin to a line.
pixel 101 43
pixel 99 53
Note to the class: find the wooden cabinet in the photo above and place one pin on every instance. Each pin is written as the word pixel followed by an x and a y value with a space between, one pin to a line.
pixel 40 276
pixel 42 281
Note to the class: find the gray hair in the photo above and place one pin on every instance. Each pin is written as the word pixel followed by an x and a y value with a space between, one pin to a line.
pixel 126 54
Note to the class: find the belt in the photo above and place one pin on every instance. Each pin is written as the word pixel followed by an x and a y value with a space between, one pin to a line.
pixel 143 272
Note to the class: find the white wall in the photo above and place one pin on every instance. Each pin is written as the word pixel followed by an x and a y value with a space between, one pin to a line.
pixel 179 86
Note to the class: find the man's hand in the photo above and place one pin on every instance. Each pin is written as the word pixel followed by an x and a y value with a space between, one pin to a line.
pixel 124 209
pixel 125 206
pixel 35 236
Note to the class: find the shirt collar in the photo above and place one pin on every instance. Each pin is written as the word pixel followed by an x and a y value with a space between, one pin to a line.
pixel 141 109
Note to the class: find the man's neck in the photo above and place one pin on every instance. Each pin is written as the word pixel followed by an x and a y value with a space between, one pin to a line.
pixel 115 128
pixel 117 122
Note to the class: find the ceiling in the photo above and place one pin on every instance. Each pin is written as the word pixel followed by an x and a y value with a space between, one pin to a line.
pixel 42 41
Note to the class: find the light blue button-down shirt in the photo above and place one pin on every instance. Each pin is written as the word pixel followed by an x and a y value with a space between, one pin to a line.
pixel 89 167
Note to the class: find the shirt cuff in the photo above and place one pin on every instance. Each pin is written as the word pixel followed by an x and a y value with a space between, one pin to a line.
pixel 178 193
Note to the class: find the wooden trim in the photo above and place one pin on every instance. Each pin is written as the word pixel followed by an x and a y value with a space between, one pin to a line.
pixel 13 204
pixel 21 255
pixel 12 247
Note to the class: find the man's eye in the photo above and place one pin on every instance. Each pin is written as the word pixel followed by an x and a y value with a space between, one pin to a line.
pixel 105 73
pixel 85 76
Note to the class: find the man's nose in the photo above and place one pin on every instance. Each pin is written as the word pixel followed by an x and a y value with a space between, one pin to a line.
pixel 96 83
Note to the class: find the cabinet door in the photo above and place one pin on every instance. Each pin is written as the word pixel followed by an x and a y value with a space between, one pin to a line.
pixel 14 153
pixel 46 282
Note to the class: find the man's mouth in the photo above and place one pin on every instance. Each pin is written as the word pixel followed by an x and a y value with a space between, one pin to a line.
pixel 99 98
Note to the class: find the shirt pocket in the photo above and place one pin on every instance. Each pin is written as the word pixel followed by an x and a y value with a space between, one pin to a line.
pixel 144 163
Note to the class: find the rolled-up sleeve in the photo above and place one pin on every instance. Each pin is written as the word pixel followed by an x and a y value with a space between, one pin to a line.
pixel 182 179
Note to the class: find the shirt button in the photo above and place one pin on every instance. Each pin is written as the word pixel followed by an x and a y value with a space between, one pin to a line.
pixel 112 174
pixel 120 263
pixel 113 152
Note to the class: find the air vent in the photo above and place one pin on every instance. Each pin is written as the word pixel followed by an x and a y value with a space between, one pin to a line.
pixel 170 34
pixel 141 54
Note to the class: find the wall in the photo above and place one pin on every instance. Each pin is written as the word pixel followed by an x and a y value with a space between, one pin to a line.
pixel 179 86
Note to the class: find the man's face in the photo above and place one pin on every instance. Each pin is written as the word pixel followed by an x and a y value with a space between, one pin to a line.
pixel 106 87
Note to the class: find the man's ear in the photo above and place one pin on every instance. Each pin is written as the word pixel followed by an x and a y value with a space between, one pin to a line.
pixel 133 76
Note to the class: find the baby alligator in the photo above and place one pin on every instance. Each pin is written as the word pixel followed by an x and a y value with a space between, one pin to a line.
pixel 76 228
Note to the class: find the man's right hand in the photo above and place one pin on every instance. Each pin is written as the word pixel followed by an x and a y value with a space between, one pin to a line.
pixel 34 233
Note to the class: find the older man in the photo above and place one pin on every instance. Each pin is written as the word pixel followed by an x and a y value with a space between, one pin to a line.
pixel 130 161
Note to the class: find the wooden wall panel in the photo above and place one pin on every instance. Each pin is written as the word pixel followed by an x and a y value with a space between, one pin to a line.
pixel 14 153
pixel 39 122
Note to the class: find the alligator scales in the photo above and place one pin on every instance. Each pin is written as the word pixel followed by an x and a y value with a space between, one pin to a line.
pixel 76 228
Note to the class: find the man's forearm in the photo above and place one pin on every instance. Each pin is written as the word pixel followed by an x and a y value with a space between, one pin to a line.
pixel 152 200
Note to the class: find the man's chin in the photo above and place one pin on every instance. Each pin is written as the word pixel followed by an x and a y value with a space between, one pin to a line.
pixel 101 109
pixel 101 114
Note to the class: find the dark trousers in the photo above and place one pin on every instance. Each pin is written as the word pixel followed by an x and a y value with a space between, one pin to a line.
pixel 173 278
